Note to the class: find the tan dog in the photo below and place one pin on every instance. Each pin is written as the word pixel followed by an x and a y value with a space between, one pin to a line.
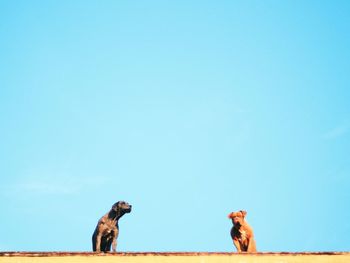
pixel 241 233
pixel 107 229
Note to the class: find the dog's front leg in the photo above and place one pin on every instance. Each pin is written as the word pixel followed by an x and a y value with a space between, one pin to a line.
pixel 98 242
pixel 237 245
pixel 114 245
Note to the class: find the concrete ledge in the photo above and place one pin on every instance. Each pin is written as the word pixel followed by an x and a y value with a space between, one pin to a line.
pixel 172 257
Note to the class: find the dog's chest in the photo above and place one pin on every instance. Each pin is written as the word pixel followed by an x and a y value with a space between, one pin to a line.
pixel 109 228
pixel 110 234
pixel 242 235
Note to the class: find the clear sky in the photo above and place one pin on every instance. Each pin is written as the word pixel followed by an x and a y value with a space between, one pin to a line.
pixel 188 110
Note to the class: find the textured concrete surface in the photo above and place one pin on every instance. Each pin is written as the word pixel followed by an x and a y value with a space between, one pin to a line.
pixel 185 257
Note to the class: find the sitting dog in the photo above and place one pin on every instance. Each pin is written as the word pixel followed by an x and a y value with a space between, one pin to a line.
pixel 107 229
pixel 241 233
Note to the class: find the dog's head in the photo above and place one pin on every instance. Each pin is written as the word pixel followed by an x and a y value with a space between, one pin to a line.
pixel 122 207
pixel 237 217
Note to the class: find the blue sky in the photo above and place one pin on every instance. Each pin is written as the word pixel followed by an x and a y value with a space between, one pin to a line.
pixel 186 109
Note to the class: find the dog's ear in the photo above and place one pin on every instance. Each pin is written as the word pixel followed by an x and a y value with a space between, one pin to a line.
pixel 115 206
pixel 243 213
pixel 230 215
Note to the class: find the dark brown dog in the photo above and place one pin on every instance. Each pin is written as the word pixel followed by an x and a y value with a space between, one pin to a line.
pixel 107 229
pixel 241 233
